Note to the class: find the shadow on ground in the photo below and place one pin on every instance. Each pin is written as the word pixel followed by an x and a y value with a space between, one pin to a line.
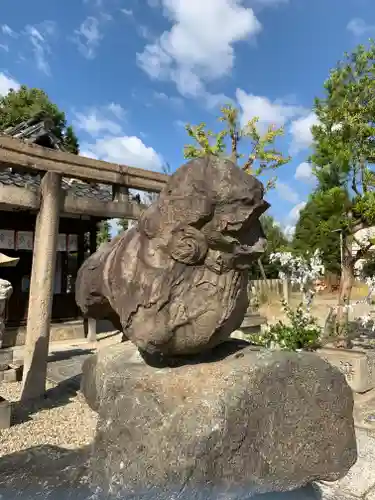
pixel 68 354
pixel 53 398
pixel 52 473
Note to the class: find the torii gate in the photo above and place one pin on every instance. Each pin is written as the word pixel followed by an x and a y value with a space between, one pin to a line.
pixel 50 201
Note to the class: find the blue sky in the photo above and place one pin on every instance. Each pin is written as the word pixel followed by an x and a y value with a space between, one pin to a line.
pixel 130 73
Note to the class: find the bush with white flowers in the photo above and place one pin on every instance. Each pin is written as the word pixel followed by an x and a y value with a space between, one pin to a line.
pixel 302 331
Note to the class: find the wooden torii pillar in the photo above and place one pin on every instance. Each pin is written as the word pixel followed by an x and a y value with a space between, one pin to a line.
pixel 41 288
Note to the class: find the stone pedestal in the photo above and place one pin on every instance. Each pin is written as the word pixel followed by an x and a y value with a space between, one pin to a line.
pixel 251 325
pixel 357 366
pixel 232 423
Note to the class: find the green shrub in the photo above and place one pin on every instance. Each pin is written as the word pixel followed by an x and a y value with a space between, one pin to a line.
pixel 301 332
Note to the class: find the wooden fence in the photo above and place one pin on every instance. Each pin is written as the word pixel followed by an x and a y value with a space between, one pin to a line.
pixel 272 287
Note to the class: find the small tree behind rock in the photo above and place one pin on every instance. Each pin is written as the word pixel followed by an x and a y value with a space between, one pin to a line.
pixel 262 155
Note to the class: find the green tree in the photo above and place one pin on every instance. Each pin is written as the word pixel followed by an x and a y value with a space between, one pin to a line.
pixel 20 105
pixel 276 242
pixel 343 157
pixel 103 235
pixel 262 156
pixel 319 226
pixel 122 224
pixel 146 200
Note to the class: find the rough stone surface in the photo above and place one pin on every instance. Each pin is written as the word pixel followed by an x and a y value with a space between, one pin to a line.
pixel 52 473
pixel 236 421
pixel 176 283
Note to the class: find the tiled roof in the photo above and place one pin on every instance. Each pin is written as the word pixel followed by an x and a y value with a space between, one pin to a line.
pixel 101 192
pixel 38 130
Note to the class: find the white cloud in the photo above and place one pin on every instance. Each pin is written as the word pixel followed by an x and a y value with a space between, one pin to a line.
pixel 4 47
pixel 7 30
pixel 270 113
pixel 175 101
pixel 359 27
pixel 116 109
pixel 294 213
pixel 289 231
pixel 39 36
pixel 88 37
pixel 304 173
pixel 213 101
pixel 97 121
pixel 286 192
pixel 269 3
pixel 200 45
pixel 300 130
pixel 125 150
pixel 292 218
pixel 180 124
pixel 127 12
pixel 7 83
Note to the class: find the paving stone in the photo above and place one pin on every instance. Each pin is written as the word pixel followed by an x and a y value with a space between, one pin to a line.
pixel 328 493
pixel 361 477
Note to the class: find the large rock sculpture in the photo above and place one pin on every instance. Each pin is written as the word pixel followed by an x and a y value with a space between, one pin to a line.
pixel 233 422
pixel 183 411
pixel 176 284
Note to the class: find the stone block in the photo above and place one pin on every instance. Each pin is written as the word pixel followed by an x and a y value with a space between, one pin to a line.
pixel 12 375
pixel 5 413
pixel 251 325
pixel 238 420
pixel 6 358
pixel 357 366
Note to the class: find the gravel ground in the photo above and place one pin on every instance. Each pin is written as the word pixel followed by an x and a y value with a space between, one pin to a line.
pixel 62 419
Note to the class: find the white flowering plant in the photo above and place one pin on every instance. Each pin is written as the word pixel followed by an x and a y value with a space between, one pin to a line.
pixel 301 333
pixel 301 272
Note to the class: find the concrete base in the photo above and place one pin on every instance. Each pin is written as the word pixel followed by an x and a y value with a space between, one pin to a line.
pixel 364 410
pixel 357 366
pixel 5 413
pixel 252 324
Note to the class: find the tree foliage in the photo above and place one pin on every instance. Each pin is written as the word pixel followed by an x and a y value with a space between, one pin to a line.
pixel 145 198
pixel 104 234
pixel 319 226
pixel 344 155
pixel 262 155
pixel 20 105
pixel 276 242
pixel 344 139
